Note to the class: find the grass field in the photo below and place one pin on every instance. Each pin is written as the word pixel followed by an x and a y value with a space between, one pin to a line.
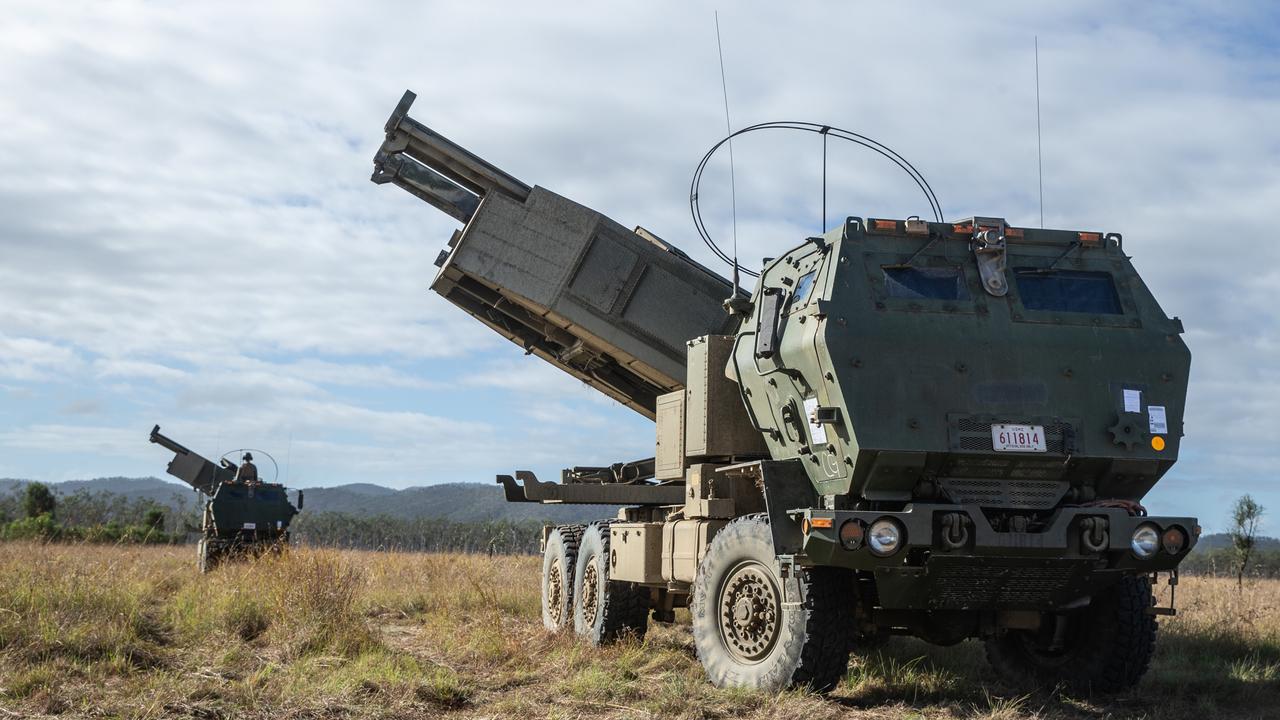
pixel 136 632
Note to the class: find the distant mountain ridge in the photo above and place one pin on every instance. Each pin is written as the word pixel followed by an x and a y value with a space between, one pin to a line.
pixel 1217 541
pixel 458 502
pixel 147 488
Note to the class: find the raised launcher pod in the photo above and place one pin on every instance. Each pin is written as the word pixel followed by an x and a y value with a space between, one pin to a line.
pixel 613 307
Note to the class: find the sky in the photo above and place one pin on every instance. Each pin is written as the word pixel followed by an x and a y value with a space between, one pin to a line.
pixel 188 235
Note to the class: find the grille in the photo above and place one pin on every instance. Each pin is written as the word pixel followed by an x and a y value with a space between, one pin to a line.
pixel 1016 494
pixel 966 586
pixel 1004 467
pixel 974 433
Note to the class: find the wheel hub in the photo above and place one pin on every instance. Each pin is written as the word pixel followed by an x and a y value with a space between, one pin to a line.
pixel 750 612
pixel 555 595
pixel 590 588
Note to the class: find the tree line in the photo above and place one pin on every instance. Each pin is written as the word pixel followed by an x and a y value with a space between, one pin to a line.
pixel 420 534
pixel 34 511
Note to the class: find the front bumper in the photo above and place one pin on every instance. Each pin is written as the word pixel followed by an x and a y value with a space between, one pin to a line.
pixel 1047 569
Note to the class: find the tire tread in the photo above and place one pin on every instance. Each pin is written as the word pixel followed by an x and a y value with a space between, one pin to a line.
pixel 1115 655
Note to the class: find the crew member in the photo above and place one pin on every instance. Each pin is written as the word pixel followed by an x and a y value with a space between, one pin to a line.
pixel 248 472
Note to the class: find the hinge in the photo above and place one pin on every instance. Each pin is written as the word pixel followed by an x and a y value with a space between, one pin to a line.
pixel 988 244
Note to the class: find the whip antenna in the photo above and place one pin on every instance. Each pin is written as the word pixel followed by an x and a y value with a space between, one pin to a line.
pixel 728 129
pixel 1039 153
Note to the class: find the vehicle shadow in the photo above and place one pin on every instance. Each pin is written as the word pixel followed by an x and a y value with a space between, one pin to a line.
pixel 1189 678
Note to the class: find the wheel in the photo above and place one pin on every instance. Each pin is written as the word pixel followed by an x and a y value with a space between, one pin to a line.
pixel 1105 647
pixel 558 561
pixel 206 555
pixel 603 609
pixel 743 634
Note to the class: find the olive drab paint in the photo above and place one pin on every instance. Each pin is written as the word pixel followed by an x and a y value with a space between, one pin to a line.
pixel 942 430
pixel 910 372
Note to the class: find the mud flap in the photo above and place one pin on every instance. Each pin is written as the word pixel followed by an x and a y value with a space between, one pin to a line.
pixel 792 597
pixel 786 487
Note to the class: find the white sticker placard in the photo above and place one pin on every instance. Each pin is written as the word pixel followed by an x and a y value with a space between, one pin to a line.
pixel 1132 400
pixel 1159 426
pixel 250 526
pixel 816 430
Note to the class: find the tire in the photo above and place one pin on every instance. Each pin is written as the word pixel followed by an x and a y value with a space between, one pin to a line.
pixel 743 634
pixel 559 560
pixel 206 556
pixel 1107 646
pixel 605 610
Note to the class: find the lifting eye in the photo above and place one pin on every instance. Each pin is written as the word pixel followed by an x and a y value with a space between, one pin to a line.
pixel 791 422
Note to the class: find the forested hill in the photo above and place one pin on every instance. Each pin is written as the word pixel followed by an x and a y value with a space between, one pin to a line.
pixel 149 488
pixel 1219 541
pixel 458 502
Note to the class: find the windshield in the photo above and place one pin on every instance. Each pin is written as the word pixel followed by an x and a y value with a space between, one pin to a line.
pixel 1074 291
pixel 925 283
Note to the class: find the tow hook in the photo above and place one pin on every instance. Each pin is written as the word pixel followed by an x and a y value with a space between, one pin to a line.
pixel 1173 588
pixel 1093 534
pixel 955 530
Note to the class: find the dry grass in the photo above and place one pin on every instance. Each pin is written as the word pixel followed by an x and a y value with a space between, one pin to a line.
pixel 136 632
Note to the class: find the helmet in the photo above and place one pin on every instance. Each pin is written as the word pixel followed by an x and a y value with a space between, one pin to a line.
pixel 247 457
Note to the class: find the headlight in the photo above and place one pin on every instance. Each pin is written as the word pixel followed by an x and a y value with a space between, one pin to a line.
pixel 1145 542
pixel 1174 540
pixel 885 537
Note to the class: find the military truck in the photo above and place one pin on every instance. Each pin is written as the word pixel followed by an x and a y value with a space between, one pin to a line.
pixel 240 519
pixel 934 429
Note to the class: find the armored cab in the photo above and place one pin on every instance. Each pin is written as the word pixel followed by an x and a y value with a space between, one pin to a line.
pixel 943 430
pixel 241 517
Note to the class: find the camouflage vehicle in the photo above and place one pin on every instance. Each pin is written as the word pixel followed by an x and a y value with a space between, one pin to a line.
pixel 241 519
pixel 935 429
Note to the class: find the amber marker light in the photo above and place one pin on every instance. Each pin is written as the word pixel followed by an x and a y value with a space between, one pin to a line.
pixel 808 524
pixel 1157 443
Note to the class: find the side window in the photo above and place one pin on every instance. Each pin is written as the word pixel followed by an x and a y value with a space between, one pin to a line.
pixel 804 286
pixel 925 283
pixel 1074 291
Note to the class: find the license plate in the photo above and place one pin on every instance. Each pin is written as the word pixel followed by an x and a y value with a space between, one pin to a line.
pixel 1017 438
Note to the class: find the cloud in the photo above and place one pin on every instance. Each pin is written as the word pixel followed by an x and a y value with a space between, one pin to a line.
pixel 136 369
pixel 26 359
pixel 60 437
pixel 189 229
pixel 534 376
pixel 83 406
